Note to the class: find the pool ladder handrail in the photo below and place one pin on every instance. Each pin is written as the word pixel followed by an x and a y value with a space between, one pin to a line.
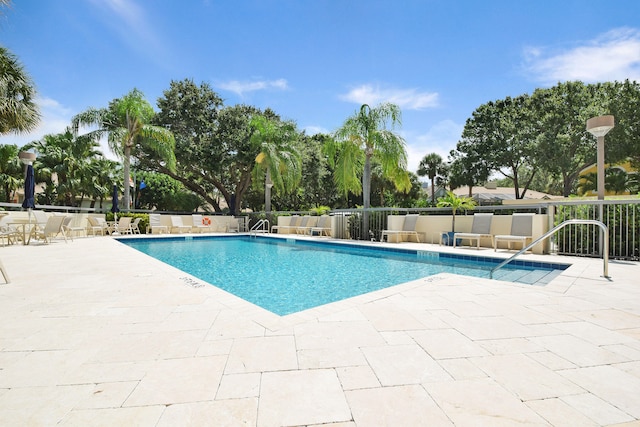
pixel 605 246
pixel 259 227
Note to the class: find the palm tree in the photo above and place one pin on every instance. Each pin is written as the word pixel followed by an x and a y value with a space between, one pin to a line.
pixel 431 165
pixel 616 181
pixel 126 124
pixel 11 172
pixel 277 159
pixel 362 137
pixel 18 110
pixel 455 202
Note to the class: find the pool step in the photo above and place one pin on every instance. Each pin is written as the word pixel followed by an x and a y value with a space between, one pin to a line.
pixel 530 277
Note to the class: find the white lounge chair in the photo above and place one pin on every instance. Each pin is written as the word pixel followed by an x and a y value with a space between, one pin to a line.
pixel 74 224
pixel 201 224
pixel 39 217
pixel 481 228
pixel 233 225
pixel 97 225
pixel 178 226
pixel 294 221
pixel 307 222
pixel 134 228
pixel 521 231
pixel 8 231
pixel 155 225
pixel 408 229
pixel 322 227
pixel 52 228
pixel 123 226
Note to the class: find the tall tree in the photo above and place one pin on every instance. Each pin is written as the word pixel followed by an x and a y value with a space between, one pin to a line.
pixel 214 154
pixel 431 166
pixel 66 163
pixel 622 100
pixel 503 135
pixel 11 172
pixel 127 125
pixel 278 159
pixel 565 147
pixel 367 134
pixel 467 169
pixel 18 110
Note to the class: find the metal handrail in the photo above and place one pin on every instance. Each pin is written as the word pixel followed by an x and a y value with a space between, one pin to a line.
pixel 605 249
pixel 259 227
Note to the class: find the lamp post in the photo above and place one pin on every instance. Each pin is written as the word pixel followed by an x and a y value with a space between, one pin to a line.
pixel 268 185
pixel 599 127
pixel 27 158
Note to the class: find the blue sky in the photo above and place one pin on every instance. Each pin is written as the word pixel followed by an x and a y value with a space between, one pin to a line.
pixel 316 61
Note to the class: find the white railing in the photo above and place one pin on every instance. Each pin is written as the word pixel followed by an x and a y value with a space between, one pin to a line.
pixel 605 252
pixel 262 226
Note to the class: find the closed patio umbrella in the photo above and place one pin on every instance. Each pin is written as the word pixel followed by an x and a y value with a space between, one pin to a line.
pixel 114 202
pixel 29 189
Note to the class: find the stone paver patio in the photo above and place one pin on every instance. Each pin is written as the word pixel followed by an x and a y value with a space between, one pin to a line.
pixel 95 333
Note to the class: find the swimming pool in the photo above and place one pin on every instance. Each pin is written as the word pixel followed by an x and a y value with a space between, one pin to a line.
pixel 285 276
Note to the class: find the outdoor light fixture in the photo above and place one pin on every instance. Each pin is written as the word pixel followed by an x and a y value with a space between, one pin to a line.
pixel 27 157
pixel 599 127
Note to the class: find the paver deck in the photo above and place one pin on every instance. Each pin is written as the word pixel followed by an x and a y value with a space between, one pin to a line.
pixel 95 333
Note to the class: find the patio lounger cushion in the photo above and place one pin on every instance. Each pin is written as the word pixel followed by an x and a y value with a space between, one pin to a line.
pixel 178 225
pixel 480 228
pixel 322 227
pixel 408 228
pixel 521 231
pixel 294 222
pixel 155 225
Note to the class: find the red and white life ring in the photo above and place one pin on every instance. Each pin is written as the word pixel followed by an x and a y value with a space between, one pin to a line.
pixel 206 221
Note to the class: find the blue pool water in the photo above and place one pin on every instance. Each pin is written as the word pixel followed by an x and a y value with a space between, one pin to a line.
pixel 286 275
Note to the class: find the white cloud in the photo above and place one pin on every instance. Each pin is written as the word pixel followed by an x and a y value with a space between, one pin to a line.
pixel 241 87
pixel 440 139
pixel 312 130
pixel 614 55
pixel 410 99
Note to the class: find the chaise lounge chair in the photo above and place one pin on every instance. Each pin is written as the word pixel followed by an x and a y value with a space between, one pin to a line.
pixel 521 231
pixel 74 225
pixel 97 225
pixel 233 225
pixel 52 228
pixel 480 228
pixel 9 232
pixel 155 226
pixel 294 222
pixel 408 228
pixel 123 226
pixel 135 226
pixel 323 226
pixel 178 225
pixel 306 224
pixel 201 224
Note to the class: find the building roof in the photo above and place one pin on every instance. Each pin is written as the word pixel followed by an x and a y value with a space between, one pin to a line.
pixel 490 193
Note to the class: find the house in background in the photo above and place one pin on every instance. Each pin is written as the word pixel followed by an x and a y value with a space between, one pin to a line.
pixel 620 179
pixel 491 194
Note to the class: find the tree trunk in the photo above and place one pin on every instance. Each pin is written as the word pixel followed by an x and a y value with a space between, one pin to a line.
pixel 127 173
pixel 366 195
pixel 267 192
pixel 433 191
